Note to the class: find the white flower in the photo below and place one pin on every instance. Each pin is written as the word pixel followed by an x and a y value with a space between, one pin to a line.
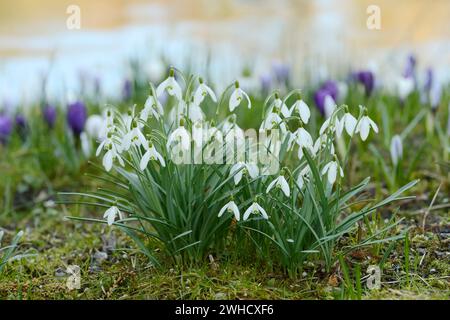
pixel 302 138
pixel 85 144
pixel 327 124
pixel 348 121
pixel 302 177
pixel 236 98
pixel 329 105
pixel 230 207
pixel 109 157
pixel 255 208
pixel 322 142
pixel 303 110
pixel 241 167
pixel 332 168
pixel 281 106
pixel 133 138
pixel 404 87
pixel 281 183
pixel 396 149
pixel 171 86
pixel 363 127
pixel 180 134
pixel 195 112
pixel 151 107
pixel 95 127
pixel 111 214
pixel 151 154
pixel 273 121
pixel 202 91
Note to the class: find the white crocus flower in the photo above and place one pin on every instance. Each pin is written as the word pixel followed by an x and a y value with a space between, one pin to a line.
pixel 255 208
pixel 396 149
pixel 303 110
pixel 171 86
pixel 232 208
pixel 151 154
pixel 94 127
pixel 133 138
pixel 348 121
pixel 364 125
pixel 281 183
pixel 202 91
pixel 236 98
pixel 111 214
pixel 404 87
pixel 152 107
pixel 240 168
pixel 331 169
pixel 182 135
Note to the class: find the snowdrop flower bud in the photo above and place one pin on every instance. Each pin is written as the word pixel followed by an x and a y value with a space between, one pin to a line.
pixel 255 208
pixel 76 117
pixel 170 85
pixel 396 149
pixel 232 208
pixel 278 104
pixel 236 98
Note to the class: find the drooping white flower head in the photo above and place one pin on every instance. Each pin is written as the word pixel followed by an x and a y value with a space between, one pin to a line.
pixel 302 177
pixel 396 149
pixel 232 208
pixel 255 208
pixel 110 155
pixel 240 168
pixel 348 121
pixel 280 106
pixel 202 91
pixel 94 127
pixel 274 121
pixel 237 96
pixel 180 134
pixel 151 154
pixel 195 113
pixel 281 183
pixel 152 107
pixel 364 125
pixel 171 86
pixel 111 214
pixel 133 138
pixel 303 110
pixel 331 169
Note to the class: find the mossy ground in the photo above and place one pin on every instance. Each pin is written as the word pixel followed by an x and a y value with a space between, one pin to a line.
pixel 123 273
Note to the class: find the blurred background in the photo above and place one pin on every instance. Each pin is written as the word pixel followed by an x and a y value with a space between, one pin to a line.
pixel 220 39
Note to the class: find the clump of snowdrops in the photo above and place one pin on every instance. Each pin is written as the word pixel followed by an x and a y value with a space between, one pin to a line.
pixel 186 176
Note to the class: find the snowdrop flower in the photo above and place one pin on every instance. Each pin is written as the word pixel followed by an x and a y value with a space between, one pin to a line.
pixel 348 121
pixel 240 168
pixel 151 154
pixel 232 208
pixel 278 104
pixel 303 110
pixel 202 91
pixel 302 138
pixel 236 98
pixel 171 86
pixel 95 127
pixel 322 142
pixel 255 208
pixel 180 134
pixel 274 121
pixel 195 112
pixel 110 155
pixel 327 125
pixel 302 177
pixel 364 125
pixel 331 169
pixel 281 183
pixel 396 149
pixel 111 214
pixel 133 137
pixel 152 107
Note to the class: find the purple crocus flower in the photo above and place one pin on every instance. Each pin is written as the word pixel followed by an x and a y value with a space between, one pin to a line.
pixel 281 71
pixel 266 82
pixel 6 126
pixel 49 114
pixel 428 80
pixel 127 90
pixel 21 122
pixel 410 68
pixel 76 116
pixel 329 88
pixel 366 78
